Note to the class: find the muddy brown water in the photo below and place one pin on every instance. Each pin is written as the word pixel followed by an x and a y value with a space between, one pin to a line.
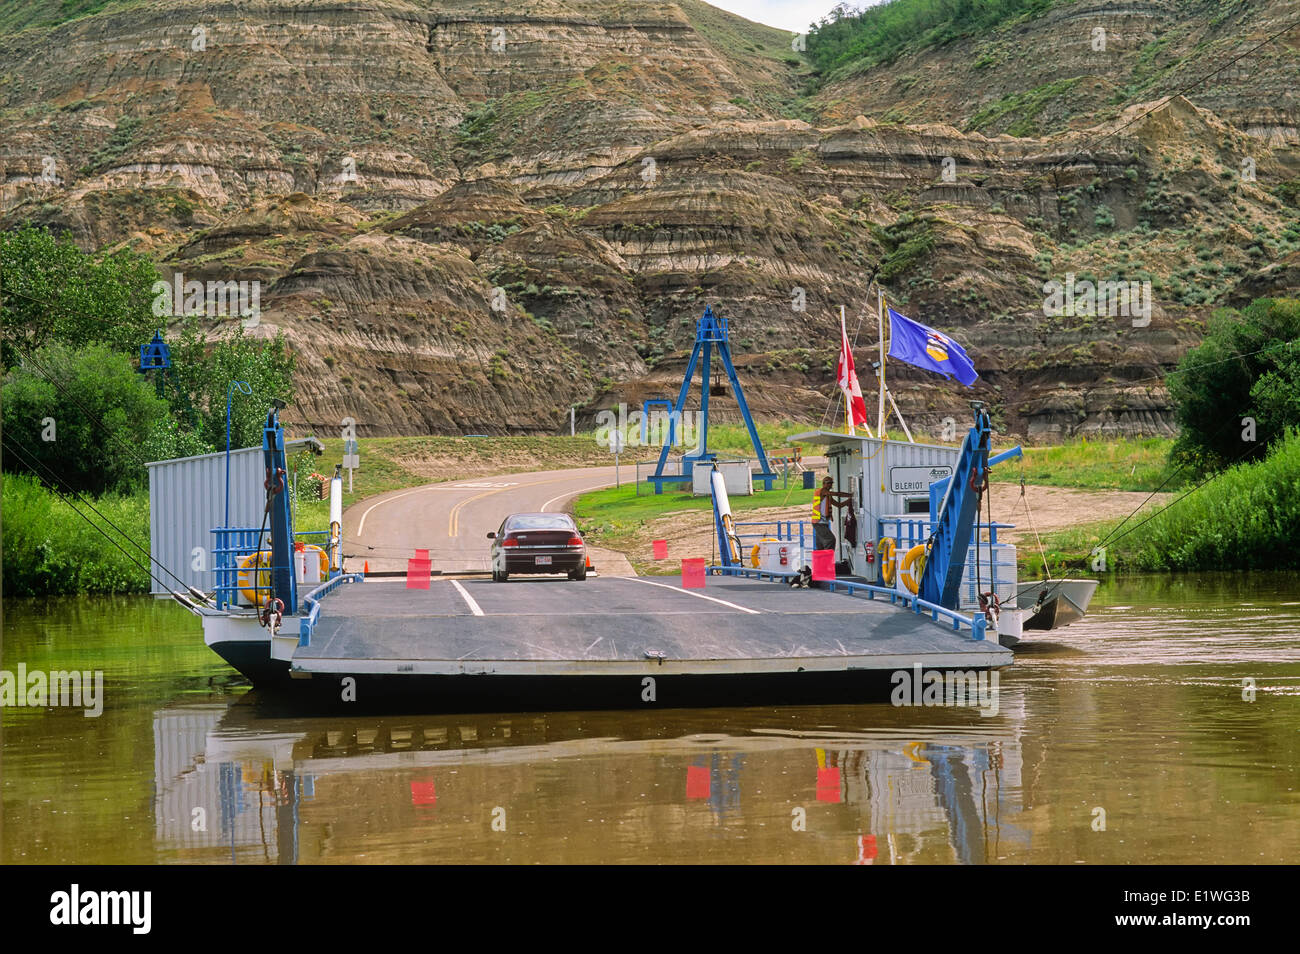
pixel 1165 727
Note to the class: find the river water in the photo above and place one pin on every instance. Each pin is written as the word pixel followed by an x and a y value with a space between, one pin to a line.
pixel 1165 727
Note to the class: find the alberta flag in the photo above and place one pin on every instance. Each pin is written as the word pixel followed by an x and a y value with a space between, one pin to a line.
pixel 914 343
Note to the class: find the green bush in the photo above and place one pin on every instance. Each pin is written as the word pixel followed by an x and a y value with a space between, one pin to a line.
pixel 1247 517
pixel 84 419
pixel 50 551
pixel 1248 366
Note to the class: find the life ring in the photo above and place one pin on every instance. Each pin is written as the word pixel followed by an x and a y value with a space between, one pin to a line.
pixel 885 549
pixel 753 554
pixel 254 572
pixel 912 567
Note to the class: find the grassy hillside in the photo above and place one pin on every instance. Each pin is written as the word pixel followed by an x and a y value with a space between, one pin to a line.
pixel 16 15
pixel 880 33
pixel 1247 517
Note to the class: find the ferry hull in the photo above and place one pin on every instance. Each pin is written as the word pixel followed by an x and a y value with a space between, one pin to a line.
pixel 321 694
pixel 600 644
pixel 253 661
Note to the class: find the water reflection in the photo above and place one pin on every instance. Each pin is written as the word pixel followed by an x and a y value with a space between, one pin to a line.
pixel 1175 707
pixel 233 785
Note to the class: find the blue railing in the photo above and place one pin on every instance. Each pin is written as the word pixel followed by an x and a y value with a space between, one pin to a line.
pixel 1001 577
pixel 914 530
pixel 787 531
pixel 233 545
pixel 312 602
pixel 976 624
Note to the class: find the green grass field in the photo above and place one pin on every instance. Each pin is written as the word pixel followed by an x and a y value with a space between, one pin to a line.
pixel 602 510
pixel 1096 465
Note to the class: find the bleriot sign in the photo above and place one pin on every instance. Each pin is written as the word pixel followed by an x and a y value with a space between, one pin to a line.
pixel 912 480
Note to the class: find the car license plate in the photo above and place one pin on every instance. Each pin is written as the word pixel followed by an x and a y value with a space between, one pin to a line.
pixel 543 561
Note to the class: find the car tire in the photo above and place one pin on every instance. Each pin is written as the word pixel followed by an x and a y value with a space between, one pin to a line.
pixel 499 577
pixel 579 574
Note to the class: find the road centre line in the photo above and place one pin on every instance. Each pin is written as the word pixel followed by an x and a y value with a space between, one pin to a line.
pixel 453 519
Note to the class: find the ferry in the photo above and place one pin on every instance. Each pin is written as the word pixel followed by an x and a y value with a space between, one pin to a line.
pixel 289 615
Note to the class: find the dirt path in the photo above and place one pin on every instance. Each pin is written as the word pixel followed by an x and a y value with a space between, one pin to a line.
pixel 690 533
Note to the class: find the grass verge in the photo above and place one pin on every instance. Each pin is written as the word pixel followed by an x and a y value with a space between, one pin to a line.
pixel 616 518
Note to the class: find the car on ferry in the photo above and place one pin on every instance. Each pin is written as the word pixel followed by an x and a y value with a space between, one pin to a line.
pixel 538 543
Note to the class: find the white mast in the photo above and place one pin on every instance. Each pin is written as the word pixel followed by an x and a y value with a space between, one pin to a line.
pixel 848 397
pixel 880 325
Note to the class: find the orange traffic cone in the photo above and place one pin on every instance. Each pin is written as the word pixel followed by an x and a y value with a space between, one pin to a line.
pixel 365 569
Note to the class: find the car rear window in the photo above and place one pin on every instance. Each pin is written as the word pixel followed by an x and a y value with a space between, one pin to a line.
pixel 540 521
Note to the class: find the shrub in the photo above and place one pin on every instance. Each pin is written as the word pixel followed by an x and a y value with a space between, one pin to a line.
pixel 83 419
pixel 1248 365
pixel 49 550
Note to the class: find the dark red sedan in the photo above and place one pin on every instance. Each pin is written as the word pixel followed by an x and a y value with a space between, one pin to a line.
pixel 538 543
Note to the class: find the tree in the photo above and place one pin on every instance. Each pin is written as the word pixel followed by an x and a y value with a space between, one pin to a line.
pixel 1247 367
pixel 201 373
pixel 52 291
pixel 84 419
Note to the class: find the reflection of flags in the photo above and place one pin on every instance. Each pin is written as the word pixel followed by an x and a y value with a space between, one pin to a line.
pixel 847 377
pixel 914 343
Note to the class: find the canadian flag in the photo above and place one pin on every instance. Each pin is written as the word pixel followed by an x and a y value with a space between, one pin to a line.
pixel 847 377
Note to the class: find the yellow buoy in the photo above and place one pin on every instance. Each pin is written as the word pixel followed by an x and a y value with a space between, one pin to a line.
pixel 255 576
pixel 753 554
pixel 912 568
pixel 885 550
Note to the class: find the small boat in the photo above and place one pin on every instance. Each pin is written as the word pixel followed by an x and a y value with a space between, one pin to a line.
pixel 1054 603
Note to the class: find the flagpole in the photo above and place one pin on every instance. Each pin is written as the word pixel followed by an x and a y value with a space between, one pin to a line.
pixel 880 322
pixel 848 398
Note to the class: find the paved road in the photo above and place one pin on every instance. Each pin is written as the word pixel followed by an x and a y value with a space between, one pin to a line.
pixel 451 519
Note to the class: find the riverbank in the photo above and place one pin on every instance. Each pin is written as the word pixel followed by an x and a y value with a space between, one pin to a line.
pixel 1077 496
pixel 1246 517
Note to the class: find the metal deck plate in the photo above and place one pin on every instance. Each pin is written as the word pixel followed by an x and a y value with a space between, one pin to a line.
pixel 625 625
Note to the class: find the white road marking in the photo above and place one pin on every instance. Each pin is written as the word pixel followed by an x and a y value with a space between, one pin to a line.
pixel 473 607
pixel 573 493
pixel 711 599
